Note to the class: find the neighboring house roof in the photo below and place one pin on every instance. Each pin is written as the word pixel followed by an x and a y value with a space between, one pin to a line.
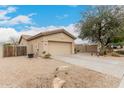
pixel 25 37
pixel 28 37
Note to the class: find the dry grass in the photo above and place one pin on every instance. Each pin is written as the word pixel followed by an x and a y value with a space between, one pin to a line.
pixel 38 72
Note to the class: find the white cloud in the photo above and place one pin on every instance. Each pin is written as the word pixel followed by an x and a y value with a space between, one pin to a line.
pixel 6 33
pixel 3 13
pixel 8 10
pixel 11 9
pixel 63 16
pixel 3 17
pixel 20 19
pixel 80 41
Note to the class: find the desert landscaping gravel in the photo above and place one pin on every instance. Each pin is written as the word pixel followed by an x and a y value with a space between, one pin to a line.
pixel 38 73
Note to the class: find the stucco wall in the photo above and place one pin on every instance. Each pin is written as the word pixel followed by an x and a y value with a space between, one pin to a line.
pixel 38 45
pixel 23 42
pixel 58 37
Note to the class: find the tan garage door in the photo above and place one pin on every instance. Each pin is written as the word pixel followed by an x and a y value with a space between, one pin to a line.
pixel 59 48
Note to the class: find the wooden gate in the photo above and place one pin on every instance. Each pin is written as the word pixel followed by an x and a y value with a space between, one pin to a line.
pixel 9 51
pixel 21 50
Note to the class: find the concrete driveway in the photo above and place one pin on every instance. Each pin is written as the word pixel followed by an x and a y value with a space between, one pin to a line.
pixel 109 65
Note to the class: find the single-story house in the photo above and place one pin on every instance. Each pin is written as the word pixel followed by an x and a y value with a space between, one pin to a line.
pixel 55 42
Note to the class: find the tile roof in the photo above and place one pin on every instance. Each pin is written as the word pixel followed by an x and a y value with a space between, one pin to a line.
pixel 51 32
pixel 29 37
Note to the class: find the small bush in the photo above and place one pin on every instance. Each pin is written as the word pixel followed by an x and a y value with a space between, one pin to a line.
pixel 76 51
pixel 120 52
pixel 44 52
pixel 47 55
pixel 115 54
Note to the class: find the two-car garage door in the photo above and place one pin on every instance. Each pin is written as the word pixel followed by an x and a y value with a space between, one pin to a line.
pixel 59 48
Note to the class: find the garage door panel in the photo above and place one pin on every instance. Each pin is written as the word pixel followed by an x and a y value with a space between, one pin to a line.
pixel 59 48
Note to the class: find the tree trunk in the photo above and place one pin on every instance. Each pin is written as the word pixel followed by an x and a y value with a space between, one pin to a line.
pixel 101 49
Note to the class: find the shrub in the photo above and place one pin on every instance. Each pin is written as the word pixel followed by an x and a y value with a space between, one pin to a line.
pixel 44 52
pixel 102 52
pixel 47 55
pixel 120 52
pixel 115 54
pixel 76 51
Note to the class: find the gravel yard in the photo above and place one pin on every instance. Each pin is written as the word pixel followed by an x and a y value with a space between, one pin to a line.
pixel 39 72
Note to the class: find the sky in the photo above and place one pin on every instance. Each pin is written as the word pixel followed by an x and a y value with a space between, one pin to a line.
pixel 32 19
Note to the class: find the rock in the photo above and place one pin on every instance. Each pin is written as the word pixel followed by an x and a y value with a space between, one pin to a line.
pixel 62 68
pixel 58 83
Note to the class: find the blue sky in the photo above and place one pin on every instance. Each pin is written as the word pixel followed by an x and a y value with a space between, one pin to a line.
pixel 31 19
pixel 56 15
pixel 53 15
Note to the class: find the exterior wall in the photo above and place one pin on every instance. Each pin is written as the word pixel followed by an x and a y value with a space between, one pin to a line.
pixel 58 37
pixel 38 45
pixel 73 47
pixel 23 42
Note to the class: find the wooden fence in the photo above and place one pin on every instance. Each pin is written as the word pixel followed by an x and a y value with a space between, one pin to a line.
pixel 86 48
pixel 1 51
pixel 9 51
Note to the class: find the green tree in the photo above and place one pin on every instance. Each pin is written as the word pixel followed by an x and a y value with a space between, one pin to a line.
pixel 119 38
pixel 101 24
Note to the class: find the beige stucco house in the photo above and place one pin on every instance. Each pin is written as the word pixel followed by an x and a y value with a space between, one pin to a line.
pixel 56 42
